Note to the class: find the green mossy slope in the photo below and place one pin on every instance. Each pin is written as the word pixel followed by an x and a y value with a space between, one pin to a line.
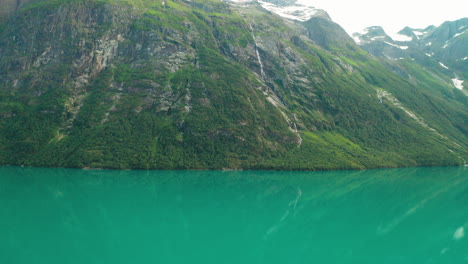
pixel 207 85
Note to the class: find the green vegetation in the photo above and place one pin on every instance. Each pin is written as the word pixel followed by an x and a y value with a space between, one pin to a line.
pixel 142 85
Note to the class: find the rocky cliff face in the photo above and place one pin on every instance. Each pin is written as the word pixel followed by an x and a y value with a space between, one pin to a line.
pixel 208 84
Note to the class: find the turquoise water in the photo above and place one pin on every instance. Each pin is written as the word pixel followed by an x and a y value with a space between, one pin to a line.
pixel 416 215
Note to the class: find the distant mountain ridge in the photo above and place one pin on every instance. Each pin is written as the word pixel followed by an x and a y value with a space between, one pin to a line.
pixel 445 46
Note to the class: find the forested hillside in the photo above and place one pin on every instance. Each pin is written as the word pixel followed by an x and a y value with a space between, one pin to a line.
pixel 207 84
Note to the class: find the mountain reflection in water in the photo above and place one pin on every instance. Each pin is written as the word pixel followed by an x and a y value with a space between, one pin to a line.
pixel 412 215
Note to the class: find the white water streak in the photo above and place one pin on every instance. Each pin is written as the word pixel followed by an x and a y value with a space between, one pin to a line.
pixel 459 233
pixel 259 59
pixel 299 143
pixel 291 207
pixel 382 230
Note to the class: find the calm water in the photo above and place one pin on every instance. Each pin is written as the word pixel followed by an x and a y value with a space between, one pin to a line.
pixel 379 216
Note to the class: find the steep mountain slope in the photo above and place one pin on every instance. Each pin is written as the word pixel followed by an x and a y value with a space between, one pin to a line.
pixel 209 84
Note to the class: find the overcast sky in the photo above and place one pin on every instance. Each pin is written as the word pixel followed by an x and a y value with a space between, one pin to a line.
pixel 392 15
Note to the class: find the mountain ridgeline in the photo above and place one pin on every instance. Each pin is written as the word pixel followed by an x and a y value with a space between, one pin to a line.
pixel 209 84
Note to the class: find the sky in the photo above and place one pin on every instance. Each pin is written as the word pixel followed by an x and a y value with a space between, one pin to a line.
pixel 392 15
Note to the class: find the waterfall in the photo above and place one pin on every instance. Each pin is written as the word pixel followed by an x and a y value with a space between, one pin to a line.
pixel 299 141
pixel 292 124
pixel 259 59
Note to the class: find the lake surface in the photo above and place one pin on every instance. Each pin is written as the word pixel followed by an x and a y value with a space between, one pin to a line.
pixel 415 215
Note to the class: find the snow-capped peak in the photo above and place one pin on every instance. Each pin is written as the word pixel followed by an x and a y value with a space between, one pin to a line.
pixel 370 34
pixel 290 9
pixel 295 11
pixel 401 37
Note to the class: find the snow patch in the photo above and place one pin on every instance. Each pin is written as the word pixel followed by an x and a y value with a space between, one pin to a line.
pixel 419 33
pixel 377 38
pixel 357 39
pixel 402 38
pixel 459 34
pixel 443 65
pixel 363 32
pixel 394 45
pixel 296 11
pixel 454 36
pixel 357 36
pixel 458 83
pixel 429 44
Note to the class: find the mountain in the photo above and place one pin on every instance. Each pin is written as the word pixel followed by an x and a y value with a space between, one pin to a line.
pixel 209 84
pixel 441 49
